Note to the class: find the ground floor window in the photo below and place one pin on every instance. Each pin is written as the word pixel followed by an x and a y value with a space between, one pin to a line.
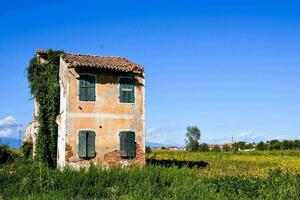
pixel 86 144
pixel 127 144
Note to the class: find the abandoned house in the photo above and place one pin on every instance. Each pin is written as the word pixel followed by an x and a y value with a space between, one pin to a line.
pixel 102 111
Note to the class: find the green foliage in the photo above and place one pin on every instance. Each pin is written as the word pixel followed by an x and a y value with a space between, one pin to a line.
pixel 148 149
pixel 203 147
pixel 7 155
pixel 35 181
pixel 216 148
pixel 261 146
pixel 242 146
pixel 27 149
pixel 193 135
pixel 277 145
pixel 44 86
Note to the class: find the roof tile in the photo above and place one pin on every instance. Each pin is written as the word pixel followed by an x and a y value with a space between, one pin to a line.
pixel 101 62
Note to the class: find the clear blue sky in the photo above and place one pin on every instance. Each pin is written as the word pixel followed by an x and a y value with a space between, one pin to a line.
pixel 230 67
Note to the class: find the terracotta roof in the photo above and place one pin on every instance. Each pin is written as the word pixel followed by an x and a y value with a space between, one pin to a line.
pixel 40 51
pixel 102 62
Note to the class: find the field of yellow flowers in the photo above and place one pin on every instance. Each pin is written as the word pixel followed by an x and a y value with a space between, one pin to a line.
pixel 255 163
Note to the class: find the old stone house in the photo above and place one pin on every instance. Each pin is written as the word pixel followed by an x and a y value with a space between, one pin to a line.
pixel 102 110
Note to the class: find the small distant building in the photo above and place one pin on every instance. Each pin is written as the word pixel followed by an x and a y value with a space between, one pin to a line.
pixel 156 148
pixel 171 148
pixel 174 148
pixel 221 146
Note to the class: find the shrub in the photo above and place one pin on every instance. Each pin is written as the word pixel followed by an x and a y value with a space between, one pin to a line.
pixel 148 149
pixel 216 148
pixel 7 155
pixel 203 147
pixel 27 149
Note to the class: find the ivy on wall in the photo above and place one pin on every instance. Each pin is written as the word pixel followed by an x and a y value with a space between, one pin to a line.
pixel 43 80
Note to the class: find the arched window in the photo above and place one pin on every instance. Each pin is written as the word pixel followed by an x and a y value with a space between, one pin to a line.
pixel 87 89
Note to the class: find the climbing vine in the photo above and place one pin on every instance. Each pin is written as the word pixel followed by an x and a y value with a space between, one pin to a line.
pixel 43 78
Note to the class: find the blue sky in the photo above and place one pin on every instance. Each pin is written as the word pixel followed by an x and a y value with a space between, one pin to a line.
pixel 229 67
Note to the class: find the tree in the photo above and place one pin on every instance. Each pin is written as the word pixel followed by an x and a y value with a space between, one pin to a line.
pixel 148 149
pixel 261 146
pixel 242 145
pixel 216 148
pixel 274 144
pixel 7 155
pixel 203 147
pixel 235 147
pixel 249 146
pixel 297 144
pixel 193 135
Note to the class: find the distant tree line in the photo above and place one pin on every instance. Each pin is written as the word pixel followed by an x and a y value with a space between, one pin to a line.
pixel 193 136
pixel 242 145
pixel 192 142
pixel 277 145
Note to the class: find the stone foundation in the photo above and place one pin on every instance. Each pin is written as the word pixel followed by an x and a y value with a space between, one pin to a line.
pixel 112 158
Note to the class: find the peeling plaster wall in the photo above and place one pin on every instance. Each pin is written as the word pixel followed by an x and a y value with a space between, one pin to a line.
pixel 106 116
pixel 62 117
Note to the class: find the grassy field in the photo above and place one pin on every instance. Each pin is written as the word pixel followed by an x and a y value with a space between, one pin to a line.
pixel 254 163
pixel 248 175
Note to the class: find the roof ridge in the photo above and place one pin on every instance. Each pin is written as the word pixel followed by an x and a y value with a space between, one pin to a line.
pixel 99 61
pixel 80 54
pixel 92 55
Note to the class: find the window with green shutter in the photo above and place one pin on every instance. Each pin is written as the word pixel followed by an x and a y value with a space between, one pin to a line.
pixel 87 89
pixel 127 144
pixel 126 90
pixel 86 144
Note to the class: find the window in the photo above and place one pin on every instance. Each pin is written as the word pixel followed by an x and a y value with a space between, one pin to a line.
pixel 87 87
pixel 127 144
pixel 86 144
pixel 126 90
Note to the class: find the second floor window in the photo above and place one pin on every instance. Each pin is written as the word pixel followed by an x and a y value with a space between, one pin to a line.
pixel 126 90
pixel 87 90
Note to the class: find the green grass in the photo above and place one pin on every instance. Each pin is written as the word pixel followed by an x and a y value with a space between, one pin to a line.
pixel 29 180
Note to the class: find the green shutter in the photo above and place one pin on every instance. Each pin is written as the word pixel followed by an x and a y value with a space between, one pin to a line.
pixel 82 90
pixel 91 94
pixel 123 143
pixel 126 90
pixel 131 143
pixel 127 144
pixel 82 144
pixel 122 97
pixel 87 88
pixel 91 88
pixel 91 144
